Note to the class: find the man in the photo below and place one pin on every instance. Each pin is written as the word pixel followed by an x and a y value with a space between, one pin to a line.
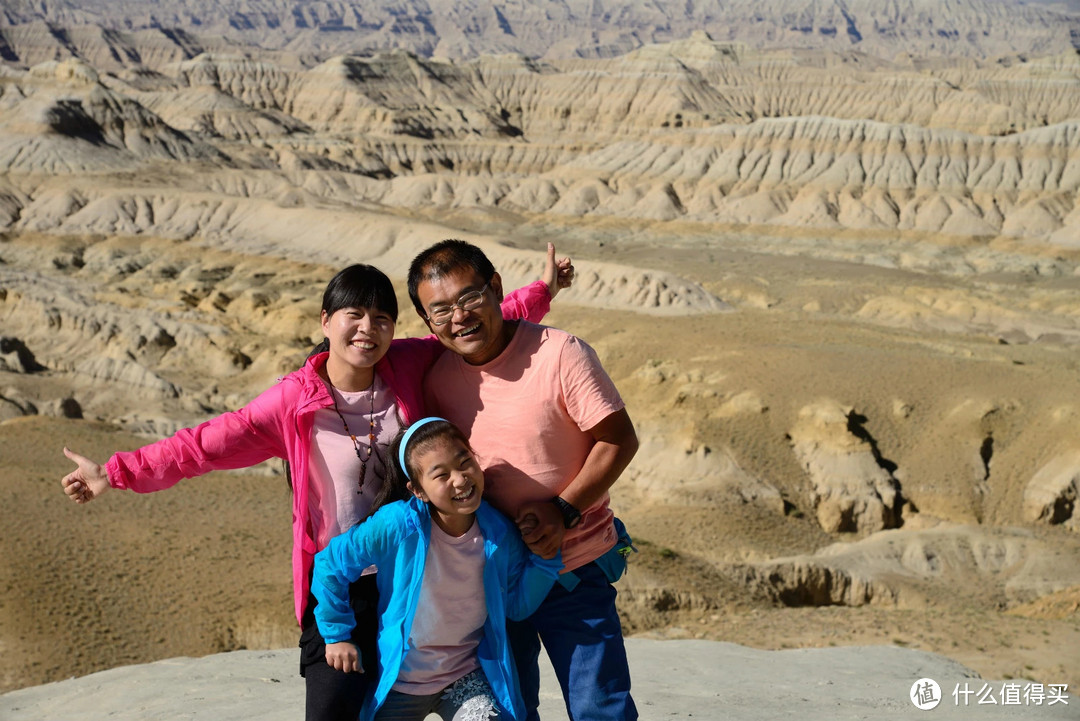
pixel 553 435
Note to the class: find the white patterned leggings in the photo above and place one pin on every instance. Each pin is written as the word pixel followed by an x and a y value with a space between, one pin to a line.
pixel 467 699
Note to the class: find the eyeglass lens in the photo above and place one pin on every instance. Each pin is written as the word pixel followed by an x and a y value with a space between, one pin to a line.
pixel 468 301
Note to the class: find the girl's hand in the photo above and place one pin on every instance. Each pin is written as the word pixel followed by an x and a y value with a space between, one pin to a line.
pixel 343 656
pixel 558 274
pixel 86 482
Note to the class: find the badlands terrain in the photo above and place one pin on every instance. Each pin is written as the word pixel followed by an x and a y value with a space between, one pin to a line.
pixel 123 30
pixel 835 282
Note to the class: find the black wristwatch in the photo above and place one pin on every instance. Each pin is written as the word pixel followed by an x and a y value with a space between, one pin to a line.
pixel 570 515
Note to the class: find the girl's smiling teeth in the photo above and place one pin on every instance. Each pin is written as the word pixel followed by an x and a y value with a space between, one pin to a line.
pixel 363 344
pixel 465 495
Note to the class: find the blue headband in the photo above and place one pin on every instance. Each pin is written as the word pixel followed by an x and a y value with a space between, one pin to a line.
pixel 408 437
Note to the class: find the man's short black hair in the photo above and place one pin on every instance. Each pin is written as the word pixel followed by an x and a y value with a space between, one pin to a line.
pixel 443 258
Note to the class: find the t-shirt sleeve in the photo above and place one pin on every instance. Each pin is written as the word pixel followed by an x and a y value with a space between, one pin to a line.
pixel 589 393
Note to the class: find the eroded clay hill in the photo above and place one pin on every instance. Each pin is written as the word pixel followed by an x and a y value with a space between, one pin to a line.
pixel 136 31
pixel 838 291
pixel 694 131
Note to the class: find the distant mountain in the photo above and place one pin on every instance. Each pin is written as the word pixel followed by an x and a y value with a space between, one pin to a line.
pixel 562 28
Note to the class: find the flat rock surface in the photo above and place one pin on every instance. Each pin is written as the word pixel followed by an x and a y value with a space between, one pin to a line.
pixel 672 679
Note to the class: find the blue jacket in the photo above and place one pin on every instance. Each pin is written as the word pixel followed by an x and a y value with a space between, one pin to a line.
pixel 396 539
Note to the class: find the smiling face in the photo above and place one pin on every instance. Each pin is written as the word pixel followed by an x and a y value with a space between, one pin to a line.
pixel 477 335
pixel 447 476
pixel 359 337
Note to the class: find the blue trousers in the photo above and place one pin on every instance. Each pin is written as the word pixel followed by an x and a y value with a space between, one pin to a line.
pixel 581 632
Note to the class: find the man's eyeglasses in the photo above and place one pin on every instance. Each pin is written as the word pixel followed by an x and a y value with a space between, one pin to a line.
pixel 442 314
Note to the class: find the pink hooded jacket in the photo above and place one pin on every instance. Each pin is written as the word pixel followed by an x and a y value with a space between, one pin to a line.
pixel 278 422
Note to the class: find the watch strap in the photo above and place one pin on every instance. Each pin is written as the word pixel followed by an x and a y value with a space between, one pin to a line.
pixel 571 516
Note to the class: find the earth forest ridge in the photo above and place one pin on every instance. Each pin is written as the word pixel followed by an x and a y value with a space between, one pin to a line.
pixel 829 252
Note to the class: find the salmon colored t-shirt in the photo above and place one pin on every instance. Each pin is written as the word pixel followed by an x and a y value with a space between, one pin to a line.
pixel 527 415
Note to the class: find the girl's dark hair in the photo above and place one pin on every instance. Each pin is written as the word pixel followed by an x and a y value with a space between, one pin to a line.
pixel 421 440
pixel 386 490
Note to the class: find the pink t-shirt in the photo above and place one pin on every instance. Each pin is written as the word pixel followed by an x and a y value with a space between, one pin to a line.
pixel 336 500
pixel 450 615
pixel 527 415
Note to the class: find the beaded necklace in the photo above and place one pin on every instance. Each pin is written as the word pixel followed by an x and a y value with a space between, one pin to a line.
pixel 356 443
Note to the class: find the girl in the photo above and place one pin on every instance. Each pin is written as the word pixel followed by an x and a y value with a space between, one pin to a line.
pixel 452 569
pixel 331 421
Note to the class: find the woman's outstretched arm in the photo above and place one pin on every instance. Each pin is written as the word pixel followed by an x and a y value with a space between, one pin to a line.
pixel 236 439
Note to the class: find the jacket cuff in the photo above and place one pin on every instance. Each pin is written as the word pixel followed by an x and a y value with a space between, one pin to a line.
pixel 552 566
pixel 114 474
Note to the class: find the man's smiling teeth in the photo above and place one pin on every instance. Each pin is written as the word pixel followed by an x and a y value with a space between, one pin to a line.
pixel 468 331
